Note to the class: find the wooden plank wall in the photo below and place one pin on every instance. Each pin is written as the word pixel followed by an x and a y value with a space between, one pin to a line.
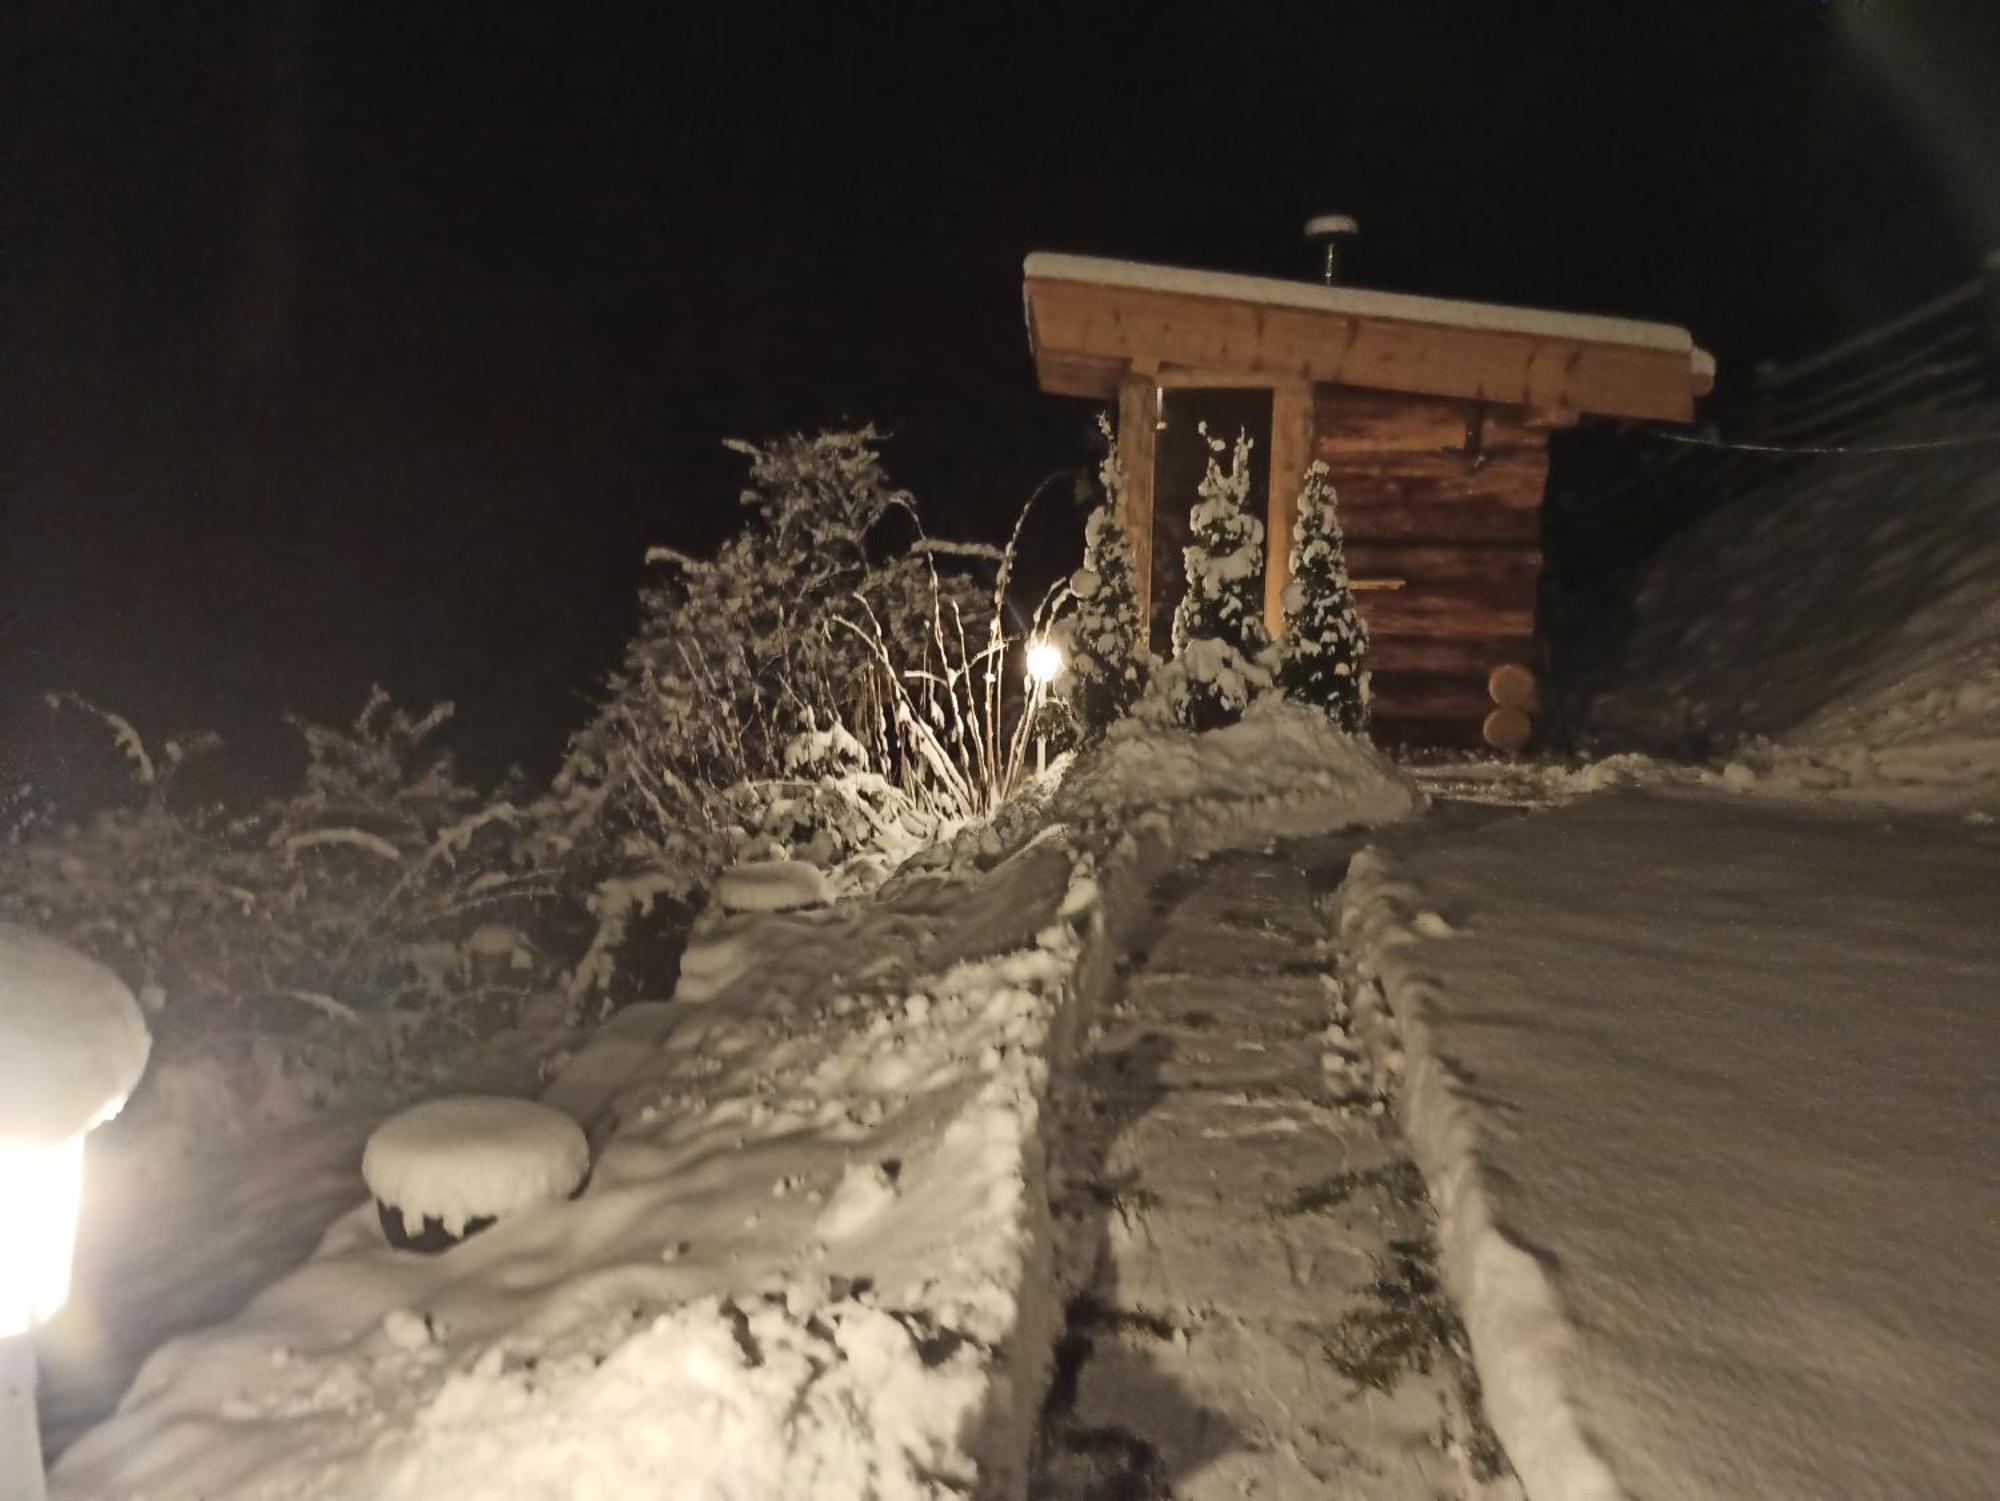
pixel 1441 500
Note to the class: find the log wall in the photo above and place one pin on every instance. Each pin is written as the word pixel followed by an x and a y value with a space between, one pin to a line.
pixel 1440 500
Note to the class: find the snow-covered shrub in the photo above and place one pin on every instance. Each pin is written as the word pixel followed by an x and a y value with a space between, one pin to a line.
pixel 824 687
pixel 1325 640
pixel 1219 635
pixel 739 655
pixel 1109 664
pixel 961 709
pixel 321 940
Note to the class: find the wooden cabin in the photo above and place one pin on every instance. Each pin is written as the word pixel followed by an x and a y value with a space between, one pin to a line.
pixel 1433 416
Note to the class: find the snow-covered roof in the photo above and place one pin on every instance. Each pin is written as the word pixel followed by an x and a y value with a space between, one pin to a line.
pixel 1400 307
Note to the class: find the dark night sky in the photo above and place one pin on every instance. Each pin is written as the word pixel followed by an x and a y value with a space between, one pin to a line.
pixel 352 341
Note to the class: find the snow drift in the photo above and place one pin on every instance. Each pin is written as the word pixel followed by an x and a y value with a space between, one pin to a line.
pixel 814 1257
pixel 1701 1087
pixel 1848 612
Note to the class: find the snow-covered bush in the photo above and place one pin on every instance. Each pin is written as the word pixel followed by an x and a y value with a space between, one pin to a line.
pixel 1109 664
pixel 961 707
pixel 1219 636
pixel 322 940
pixel 741 655
pixel 824 687
pixel 1325 640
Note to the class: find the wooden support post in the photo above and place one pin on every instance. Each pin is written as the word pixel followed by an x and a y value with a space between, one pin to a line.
pixel 1138 442
pixel 1291 451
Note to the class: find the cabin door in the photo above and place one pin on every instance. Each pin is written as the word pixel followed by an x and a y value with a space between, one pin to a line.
pixel 1180 459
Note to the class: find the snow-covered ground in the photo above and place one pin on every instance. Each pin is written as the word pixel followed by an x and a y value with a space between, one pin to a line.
pixel 1839 627
pixel 814 1254
pixel 1704 1089
pixel 1699 1081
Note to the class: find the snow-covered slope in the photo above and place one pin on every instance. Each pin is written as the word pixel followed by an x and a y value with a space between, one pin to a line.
pixel 1703 1090
pixel 1849 611
pixel 813 1258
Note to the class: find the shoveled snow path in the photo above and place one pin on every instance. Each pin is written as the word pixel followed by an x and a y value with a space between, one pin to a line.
pixel 1196 1355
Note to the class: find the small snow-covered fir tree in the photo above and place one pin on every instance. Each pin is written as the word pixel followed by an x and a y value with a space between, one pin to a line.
pixel 1219 635
pixel 1108 660
pixel 1325 639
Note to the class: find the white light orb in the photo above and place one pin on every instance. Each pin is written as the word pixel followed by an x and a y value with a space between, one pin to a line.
pixel 1045 661
pixel 72 1046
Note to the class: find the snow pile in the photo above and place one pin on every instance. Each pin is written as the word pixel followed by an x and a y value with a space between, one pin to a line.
pixel 769 1400
pixel 770 886
pixel 1282 771
pixel 1849 613
pixel 1701 1088
pixel 804 1264
pixel 473 1157
pixel 714 959
pixel 72 1041
pixel 815 1253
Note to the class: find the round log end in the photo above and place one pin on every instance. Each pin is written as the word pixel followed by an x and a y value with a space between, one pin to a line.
pixel 1507 730
pixel 1512 685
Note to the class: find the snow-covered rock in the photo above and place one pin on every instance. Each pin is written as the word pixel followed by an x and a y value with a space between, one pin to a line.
pixel 771 886
pixel 473 1157
pixel 72 1039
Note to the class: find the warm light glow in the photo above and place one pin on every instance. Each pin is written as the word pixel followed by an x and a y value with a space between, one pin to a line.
pixel 1045 660
pixel 41 1185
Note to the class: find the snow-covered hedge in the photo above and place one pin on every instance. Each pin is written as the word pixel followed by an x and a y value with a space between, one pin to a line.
pixel 822 688
pixel 343 933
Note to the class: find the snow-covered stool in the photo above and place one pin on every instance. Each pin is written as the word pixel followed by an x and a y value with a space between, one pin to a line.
pixel 771 886
pixel 445 1170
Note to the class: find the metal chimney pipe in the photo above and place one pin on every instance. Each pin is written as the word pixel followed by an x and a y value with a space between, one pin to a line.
pixel 1326 232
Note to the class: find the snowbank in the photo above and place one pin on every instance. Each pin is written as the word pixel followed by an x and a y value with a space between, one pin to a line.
pixel 814 1256
pixel 1701 1089
pixel 718 1303
pixel 1283 771
pixel 1849 614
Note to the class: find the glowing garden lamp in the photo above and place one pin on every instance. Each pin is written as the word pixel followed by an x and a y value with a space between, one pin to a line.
pixel 72 1045
pixel 1045 663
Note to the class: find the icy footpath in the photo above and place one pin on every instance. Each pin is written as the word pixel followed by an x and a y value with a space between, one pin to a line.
pixel 814 1256
pixel 1702 1089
